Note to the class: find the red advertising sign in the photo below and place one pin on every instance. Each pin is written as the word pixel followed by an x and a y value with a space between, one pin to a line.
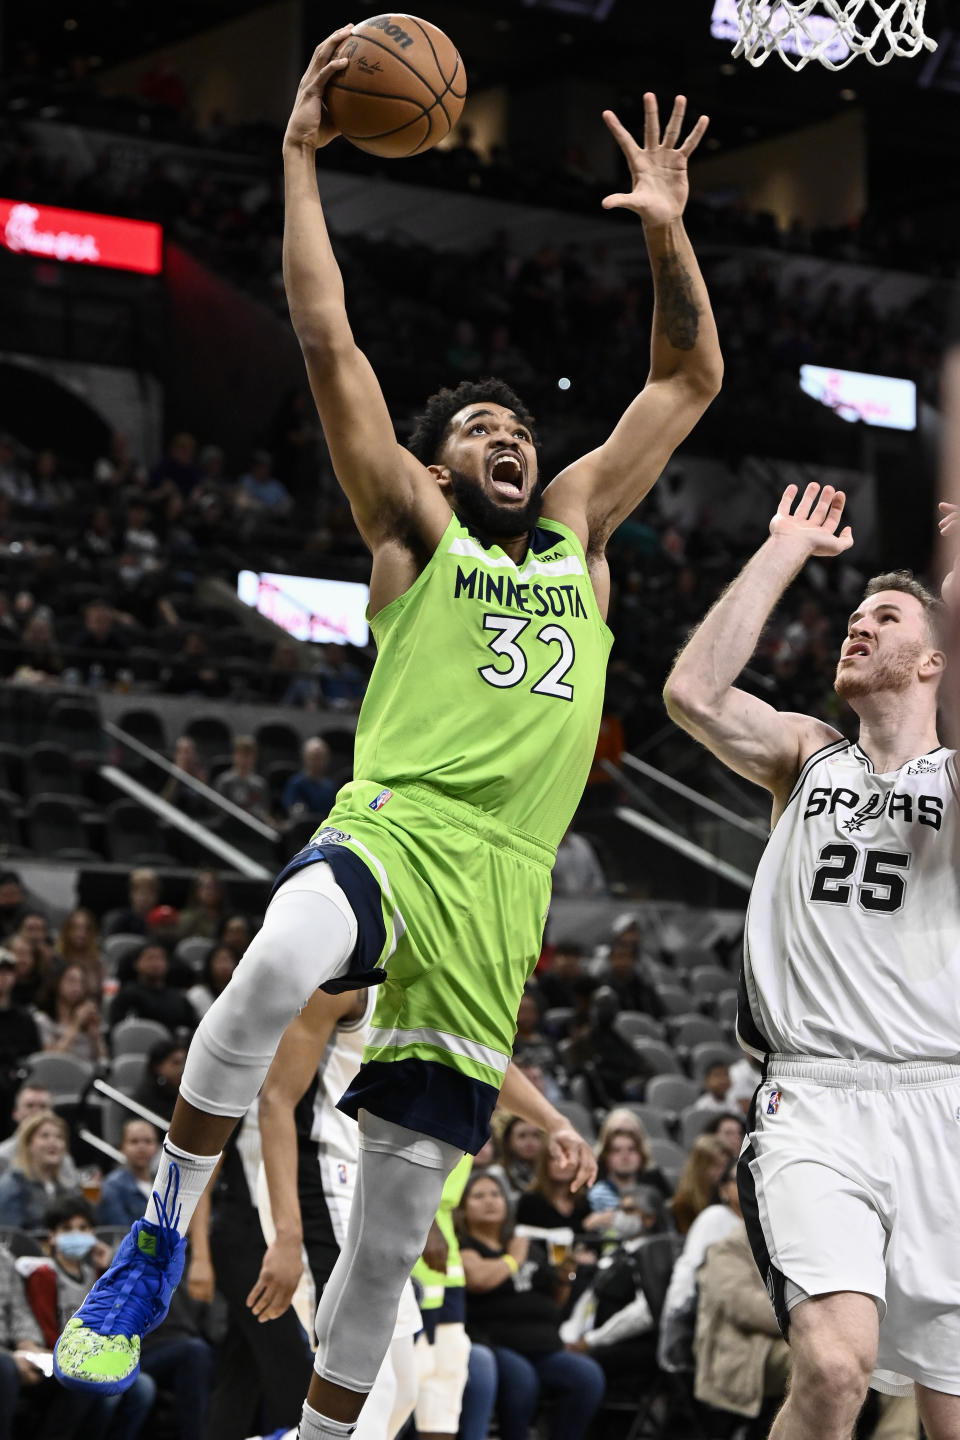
pixel 80 237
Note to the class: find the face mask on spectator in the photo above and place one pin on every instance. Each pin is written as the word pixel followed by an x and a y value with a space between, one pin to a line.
pixel 76 1244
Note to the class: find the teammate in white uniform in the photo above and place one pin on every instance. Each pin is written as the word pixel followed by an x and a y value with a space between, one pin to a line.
pixel 318 1058
pixel 850 991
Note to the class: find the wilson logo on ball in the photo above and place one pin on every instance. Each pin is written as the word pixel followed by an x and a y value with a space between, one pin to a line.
pixel 398 35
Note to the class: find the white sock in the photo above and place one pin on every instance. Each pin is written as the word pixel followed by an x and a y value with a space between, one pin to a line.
pixel 181 1180
pixel 314 1426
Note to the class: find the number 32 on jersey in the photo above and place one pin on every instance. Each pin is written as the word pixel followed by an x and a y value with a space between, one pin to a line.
pixel 512 669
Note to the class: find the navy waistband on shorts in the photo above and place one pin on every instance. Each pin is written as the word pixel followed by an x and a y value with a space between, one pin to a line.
pixel 359 885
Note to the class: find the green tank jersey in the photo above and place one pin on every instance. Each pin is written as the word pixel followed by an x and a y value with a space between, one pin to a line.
pixel 489 680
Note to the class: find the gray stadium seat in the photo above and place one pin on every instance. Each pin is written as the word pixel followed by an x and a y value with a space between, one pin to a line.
pixel 658 1057
pixel 127 1071
pixel 667 1154
pixel 675 999
pixel 579 1117
pixel 671 1092
pixel 635 1025
pixel 725 1007
pixel 117 948
pixel 135 1037
pixel 558 1019
pixel 693 1123
pixel 709 1053
pixel 707 981
pixel 656 1122
pixel 65 1075
pixel 689 1030
pixel 193 951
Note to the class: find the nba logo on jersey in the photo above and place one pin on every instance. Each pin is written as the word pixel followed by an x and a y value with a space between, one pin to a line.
pixel 378 801
pixel 773 1103
pixel 341 1174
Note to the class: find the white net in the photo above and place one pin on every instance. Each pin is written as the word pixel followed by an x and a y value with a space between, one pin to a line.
pixel 833 32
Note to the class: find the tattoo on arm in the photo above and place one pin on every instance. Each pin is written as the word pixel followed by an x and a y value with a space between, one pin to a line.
pixel 677 315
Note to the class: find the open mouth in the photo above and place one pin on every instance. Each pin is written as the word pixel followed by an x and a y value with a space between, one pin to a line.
pixel 506 474
pixel 857 651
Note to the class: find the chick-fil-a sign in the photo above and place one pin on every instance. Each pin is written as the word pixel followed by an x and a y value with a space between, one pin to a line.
pixel 80 237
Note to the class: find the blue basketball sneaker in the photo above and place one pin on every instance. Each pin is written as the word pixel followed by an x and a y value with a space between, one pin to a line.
pixel 99 1348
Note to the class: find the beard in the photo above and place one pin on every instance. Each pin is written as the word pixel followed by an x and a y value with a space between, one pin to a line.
pixel 474 507
pixel 893 674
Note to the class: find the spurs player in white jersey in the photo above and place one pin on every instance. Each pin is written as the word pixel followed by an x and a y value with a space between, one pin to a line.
pixel 850 992
pixel 310 1156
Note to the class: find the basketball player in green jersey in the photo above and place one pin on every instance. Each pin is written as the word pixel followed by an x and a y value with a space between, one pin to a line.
pixel 431 876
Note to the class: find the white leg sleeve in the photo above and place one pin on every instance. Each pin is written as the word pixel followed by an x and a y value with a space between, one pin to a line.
pixel 308 934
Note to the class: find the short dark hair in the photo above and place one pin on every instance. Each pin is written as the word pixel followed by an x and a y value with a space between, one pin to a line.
pixel 65 1209
pixel 907 582
pixel 431 426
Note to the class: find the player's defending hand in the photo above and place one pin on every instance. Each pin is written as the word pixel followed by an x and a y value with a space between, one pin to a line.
pixel 570 1147
pixel 658 167
pixel 308 124
pixel 278 1279
pixel 813 524
pixel 950 525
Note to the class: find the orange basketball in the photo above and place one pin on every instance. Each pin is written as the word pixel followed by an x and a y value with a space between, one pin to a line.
pixel 403 89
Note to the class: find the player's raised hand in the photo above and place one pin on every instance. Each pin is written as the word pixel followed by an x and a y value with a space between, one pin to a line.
pixel 308 124
pixel 815 521
pixel 568 1145
pixel 659 185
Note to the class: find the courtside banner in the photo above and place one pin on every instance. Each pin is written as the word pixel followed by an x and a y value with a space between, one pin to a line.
pixel 80 237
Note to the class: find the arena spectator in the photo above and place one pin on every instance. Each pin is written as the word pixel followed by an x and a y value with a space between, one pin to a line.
pixel 19 1036
pixel 577 871
pixel 163 926
pixel 531 1044
pixel 177 472
pixel 148 997
pixel 549 1202
pixel 68 1015
pixel 34 956
pixel 237 932
pixel 144 893
pixel 561 986
pixel 729 1128
pixel 78 943
pixel 126 1189
pixel 310 791
pixel 163 1071
pixel 36 1176
pixel 611 1066
pixel 195 672
pixel 741 1360
pixel 714 1222
pixel 520 1320
pixel 203 914
pixel 19 1334
pixel 29 1100
pixel 518 1146
pixel 624 972
pixel 101 646
pixel 716 1088
pixel 260 491
pixel 39 658
pixel 624 1167
pixel 217 970
pixel 240 784
pixel 13 901
pixel 187 757
pixel 706 1161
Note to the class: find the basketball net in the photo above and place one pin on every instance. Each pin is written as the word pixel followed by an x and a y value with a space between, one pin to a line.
pixel 834 32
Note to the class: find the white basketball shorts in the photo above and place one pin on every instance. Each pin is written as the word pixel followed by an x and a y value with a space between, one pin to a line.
pixel 850 1180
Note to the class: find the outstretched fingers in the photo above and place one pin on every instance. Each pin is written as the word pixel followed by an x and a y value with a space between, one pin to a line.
pixel 622 136
pixel 674 124
pixel 807 502
pixel 651 121
pixel 695 136
pixel 834 511
pixel 786 500
pixel 325 51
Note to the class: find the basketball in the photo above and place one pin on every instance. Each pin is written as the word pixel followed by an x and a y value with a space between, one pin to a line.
pixel 403 89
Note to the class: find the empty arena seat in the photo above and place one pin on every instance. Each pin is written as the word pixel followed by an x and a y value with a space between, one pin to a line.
pixel 693 1122
pixel 119 948
pixel 710 1053
pixel 192 951
pixel 134 835
pixel 211 735
pixel 671 1092
pixel 579 1117
pixel 135 1037
pixel 63 1075
pixel 54 825
pixel 658 1058
pixel 635 1025
pixel 656 1122
pixel 667 1154
pixel 75 725
pixel 127 1071
pixel 706 981
pixel 689 1030
pixel 276 743
pixel 674 999
pixel 558 1019
pixel 725 1007
pixel 49 769
pixel 147 726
